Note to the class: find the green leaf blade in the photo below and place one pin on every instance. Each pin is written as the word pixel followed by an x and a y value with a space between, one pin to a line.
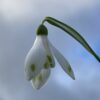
pixel 73 33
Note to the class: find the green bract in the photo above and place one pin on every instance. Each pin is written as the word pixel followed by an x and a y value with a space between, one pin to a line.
pixel 42 30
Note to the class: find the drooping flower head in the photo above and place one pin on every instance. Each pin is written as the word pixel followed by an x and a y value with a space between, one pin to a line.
pixel 40 59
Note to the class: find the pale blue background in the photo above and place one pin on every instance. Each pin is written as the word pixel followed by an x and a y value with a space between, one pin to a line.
pixel 18 22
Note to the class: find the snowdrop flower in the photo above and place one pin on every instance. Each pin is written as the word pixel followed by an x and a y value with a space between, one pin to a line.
pixel 40 60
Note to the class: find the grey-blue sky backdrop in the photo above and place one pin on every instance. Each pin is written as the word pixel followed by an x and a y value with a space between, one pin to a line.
pixel 18 22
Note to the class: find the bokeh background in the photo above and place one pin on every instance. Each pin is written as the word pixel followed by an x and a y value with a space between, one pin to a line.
pixel 18 22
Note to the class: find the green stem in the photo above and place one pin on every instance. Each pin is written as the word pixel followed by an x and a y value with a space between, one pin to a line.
pixel 71 32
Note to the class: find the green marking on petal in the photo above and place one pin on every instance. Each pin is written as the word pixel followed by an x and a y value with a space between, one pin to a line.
pixel 51 65
pixel 50 61
pixel 33 67
pixel 69 69
pixel 46 65
pixel 40 78
pixel 49 58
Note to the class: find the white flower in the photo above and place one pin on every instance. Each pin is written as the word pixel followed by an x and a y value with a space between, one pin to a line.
pixel 40 60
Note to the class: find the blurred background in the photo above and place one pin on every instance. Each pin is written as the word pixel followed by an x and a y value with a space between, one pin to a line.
pixel 19 20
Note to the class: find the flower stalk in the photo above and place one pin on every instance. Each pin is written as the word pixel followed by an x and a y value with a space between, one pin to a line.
pixel 72 32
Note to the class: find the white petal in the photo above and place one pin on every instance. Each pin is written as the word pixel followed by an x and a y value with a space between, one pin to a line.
pixel 63 62
pixel 40 79
pixel 35 59
pixel 48 50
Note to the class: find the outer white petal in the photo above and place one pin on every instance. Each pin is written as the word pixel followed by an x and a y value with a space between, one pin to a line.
pixel 37 57
pixel 63 62
pixel 48 49
pixel 40 79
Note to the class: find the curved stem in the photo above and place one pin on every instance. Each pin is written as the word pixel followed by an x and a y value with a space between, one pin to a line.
pixel 73 33
pixel 43 21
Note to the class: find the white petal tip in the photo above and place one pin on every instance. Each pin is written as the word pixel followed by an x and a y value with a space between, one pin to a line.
pixel 71 74
pixel 72 77
pixel 39 81
pixel 37 87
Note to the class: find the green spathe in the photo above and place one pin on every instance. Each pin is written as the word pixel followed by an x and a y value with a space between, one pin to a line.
pixel 42 30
